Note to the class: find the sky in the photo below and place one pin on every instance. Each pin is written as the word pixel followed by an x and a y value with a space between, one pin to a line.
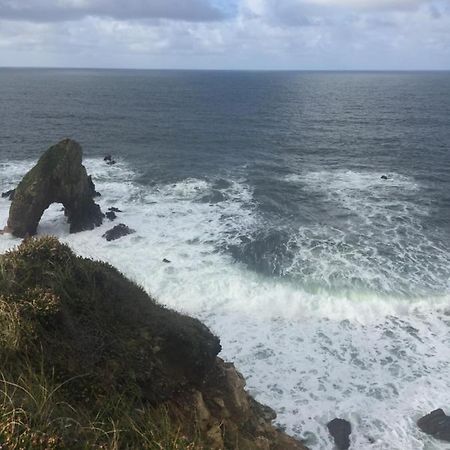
pixel 227 34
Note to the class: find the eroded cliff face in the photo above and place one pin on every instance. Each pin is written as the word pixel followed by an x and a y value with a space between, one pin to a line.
pixel 230 418
pixel 81 326
pixel 58 177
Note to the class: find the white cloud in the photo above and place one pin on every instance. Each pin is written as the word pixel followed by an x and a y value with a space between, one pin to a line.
pixel 370 4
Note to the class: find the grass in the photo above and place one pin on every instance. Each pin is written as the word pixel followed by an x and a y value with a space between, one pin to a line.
pixel 33 415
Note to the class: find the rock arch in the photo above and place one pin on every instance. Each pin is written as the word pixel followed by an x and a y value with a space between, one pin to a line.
pixel 58 177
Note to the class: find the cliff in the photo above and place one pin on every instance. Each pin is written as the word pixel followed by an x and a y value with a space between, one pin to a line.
pixel 89 360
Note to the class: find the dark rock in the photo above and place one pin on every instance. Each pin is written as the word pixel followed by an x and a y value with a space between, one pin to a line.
pixel 111 163
pixel 340 429
pixel 117 232
pixel 114 209
pixel 384 177
pixel 165 260
pixel 437 424
pixel 107 158
pixel 94 192
pixel 58 177
pixel 111 215
pixel 9 194
pixel 213 197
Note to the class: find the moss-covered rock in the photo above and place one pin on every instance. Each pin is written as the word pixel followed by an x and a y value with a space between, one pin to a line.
pixel 58 177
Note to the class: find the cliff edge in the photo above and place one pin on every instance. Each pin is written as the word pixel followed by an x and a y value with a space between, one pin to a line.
pixel 89 360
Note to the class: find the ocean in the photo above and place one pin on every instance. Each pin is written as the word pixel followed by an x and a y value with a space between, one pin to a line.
pixel 328 285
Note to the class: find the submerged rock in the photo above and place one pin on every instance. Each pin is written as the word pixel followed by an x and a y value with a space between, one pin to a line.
pixel 58 177
pixel 117 232
pixel 222 184
pixel 437 424
pixel 9 194
pixel 167 261
pixel 214 197
pixel 107 158
pixel 384 177
pixel 114 209
pixel 268 251
pixel 340 429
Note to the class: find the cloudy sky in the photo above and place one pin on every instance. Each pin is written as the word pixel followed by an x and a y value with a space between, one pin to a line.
pixel 226 34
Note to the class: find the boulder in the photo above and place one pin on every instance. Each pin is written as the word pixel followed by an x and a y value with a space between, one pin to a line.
pixel 58 177
pixel 117 232
pixel 437 424
pixel 107 158
pixel 114 209
pixel 9 194
pixel 111 215
pixel 384 177
pixel 340 429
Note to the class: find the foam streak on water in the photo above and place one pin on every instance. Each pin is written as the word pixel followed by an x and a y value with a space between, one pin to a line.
pixel 339 336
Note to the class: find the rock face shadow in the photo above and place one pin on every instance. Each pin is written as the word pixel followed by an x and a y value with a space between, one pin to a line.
pixel 58 177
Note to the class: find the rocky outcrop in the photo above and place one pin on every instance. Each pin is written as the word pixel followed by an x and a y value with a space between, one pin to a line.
pixel 118 231
pixel 116 356
pixel 58 177
pixel 437 424
pixel 340 429
pixel 230 418
pixel 9 194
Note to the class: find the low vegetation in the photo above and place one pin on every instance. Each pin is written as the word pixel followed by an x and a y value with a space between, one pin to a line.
pixel 75 373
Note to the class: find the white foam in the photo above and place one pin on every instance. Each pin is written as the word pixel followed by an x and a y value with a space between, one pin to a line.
pixel 378 240
pixel 313 354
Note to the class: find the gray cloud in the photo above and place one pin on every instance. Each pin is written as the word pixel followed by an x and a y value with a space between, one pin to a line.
pixel 257 34
pixel 64 10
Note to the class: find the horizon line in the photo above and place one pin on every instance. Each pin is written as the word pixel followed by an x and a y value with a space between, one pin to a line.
pixel 218 69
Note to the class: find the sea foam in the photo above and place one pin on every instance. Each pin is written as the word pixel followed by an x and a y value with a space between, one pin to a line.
pixel 370 353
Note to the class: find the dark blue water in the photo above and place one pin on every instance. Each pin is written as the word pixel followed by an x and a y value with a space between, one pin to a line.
pixel 276 130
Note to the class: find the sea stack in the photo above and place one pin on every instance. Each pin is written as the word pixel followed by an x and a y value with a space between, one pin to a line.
pixel 58 177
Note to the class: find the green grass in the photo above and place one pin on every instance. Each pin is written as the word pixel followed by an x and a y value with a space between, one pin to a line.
pixel 33 415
